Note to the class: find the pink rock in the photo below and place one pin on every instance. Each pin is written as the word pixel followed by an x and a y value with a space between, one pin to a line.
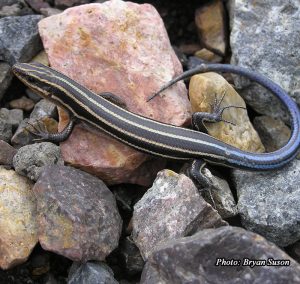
pixel 123 48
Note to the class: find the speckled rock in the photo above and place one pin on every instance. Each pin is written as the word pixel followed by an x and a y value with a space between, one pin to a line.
pixel 15 116
pixel 274 25
pixel 20 39
pixel 200 259
pixel 7 153
pixel 5 126
pixel 202 90
pixel 9 120
pixel 273 132
pixel 171 208
pixel 132 64
pixel 268 203
pixel 18 230
pixel 77 214
pixel 210 22
pixel 30 160
pixel 91 273
pixel 5 77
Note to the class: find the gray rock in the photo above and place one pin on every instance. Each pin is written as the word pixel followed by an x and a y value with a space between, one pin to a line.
pixel 269 202
pixel 275 26
pixel 47 12
pixel 30 160
pixel 198 259
pixel 20 39
pixel 5 78
pixel 14 8
pixel 91 273
pixel 7 153
pixel 220 196
pixel 9 120
pixel 8 2
pixel 5 125
pixel 273 132
pixel 15 117
pixel 43 108
pixel 77 214
pixel 170 209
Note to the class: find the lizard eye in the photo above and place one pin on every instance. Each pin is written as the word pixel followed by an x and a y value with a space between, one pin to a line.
pixel 30 79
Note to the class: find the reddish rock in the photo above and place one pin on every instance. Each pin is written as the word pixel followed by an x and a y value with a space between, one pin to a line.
pixel 77 214
pixel 123 48
pixel 22 103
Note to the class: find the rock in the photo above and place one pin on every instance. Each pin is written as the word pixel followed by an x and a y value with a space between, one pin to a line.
pixel 37 5
pixel 91 273
pixel 273 132
pixel 18 230
pixel 22 103
pixel 268 203
pixel 210 22
pixel 15 117
pixel 189 49
pixel 20 38
pixel 125 65
pixel 202 90
pixel 33 96
pixel 201 258
pixel 69 3
pixel 194 61
pixel 5 125
pixel 7 153
pixel 77 214
pixel 113 162
pixel 270 25
pixel 41 58
pixel 9 121
pixel 43 108
pixel 47 12
pixel 14 8
pixel 207 55
pixel 171 208
pixel 133 260
pixel 30 160
pixel 220 196
pixel 22 135
pixel 127 195
pixel 5 78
